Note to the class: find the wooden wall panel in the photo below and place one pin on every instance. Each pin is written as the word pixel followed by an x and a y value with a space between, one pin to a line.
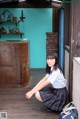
pixel 74 39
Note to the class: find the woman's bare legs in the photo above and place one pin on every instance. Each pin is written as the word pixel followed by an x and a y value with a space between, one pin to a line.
pixel 38 97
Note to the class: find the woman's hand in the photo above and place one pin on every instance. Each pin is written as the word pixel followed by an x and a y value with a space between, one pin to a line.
pixel 29 95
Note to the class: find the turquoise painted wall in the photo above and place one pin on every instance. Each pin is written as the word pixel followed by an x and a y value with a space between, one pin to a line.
pixel 38 21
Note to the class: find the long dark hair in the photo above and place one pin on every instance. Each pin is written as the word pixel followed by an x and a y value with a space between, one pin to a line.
pixel 53 55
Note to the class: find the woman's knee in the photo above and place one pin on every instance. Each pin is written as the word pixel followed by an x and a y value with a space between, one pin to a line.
pixel 38 97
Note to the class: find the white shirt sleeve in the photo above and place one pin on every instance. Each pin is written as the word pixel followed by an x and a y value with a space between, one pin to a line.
pixel 53 76
pixel 47 76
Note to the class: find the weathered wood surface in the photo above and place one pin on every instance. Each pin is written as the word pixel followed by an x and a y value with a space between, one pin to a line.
pixel 14 102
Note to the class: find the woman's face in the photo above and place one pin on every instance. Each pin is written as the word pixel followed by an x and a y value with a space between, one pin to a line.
pixel 51 62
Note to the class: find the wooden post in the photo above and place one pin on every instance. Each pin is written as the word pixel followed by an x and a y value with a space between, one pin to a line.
pixel 55 21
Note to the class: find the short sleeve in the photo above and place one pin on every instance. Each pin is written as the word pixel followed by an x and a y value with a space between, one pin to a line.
pixel 53 76
pixel 47 76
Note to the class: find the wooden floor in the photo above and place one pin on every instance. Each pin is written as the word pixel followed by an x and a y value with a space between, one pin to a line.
pixel 14 102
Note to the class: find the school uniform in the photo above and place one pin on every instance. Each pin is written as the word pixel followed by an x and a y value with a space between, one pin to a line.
pixel 55 96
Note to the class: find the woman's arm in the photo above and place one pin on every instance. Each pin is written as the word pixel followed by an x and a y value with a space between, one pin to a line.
pixel 42 83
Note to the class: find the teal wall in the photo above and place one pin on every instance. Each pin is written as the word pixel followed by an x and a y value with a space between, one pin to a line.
pixel 38 21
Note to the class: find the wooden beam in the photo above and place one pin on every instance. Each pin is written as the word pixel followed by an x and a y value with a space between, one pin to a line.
pixel 55 24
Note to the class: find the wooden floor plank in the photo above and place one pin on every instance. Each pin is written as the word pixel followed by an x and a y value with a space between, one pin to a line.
pixel 14 102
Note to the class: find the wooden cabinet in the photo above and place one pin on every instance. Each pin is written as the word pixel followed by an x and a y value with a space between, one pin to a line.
pixel 14 63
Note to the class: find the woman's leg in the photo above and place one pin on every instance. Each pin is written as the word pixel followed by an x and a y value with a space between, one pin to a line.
pixel 38 97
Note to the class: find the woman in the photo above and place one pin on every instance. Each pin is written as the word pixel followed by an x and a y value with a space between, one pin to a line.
pixel 51 90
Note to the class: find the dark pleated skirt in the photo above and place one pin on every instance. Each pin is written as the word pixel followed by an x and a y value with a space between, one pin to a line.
pixel 54 99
